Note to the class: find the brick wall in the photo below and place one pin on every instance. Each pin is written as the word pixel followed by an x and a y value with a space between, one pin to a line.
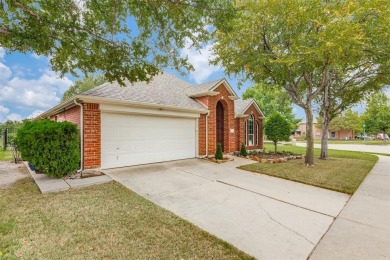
pixel 71 115
pixel 229 138
pixel 92 136
pixel 202 135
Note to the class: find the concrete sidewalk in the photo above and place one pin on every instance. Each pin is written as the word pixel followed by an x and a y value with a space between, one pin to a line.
pixel 47 184
pixel 362 230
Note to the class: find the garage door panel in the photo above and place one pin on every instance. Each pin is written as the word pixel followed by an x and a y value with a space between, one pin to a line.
pixel 133 139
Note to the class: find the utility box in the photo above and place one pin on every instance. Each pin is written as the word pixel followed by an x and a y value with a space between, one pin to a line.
pixel 294 141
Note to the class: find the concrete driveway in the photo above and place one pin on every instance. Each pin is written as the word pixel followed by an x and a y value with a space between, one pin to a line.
pixel 267 217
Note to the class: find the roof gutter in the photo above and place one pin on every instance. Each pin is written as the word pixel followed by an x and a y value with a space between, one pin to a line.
pixel 102 100
pixel 207 134
pixel 81 135
pixel 55 110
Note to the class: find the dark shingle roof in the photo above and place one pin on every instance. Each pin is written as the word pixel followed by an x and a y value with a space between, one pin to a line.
pixel 164 89
pixel 241 105
pixel 202 88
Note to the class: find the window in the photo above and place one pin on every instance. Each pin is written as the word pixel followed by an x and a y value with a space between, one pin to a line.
pixel 333 134
pixel 257 133
pixel 317 133
pixel 250 131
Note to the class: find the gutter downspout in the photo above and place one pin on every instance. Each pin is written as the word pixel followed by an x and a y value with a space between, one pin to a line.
pixel 81 135
pixel 207 134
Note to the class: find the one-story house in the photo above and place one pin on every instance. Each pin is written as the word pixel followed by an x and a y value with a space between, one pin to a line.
pixel 341 134
pixel 166 119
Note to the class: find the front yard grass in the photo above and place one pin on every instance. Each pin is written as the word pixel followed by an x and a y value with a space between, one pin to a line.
pixel 366 142
pixel 5 155
pixel 344 171
pixel 105 221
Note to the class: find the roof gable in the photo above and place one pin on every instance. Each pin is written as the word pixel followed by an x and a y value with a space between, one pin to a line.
pixel 208 89
pixel 241 106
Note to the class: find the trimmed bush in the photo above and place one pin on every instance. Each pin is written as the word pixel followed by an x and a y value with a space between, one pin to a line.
pixel 218 153
pixel 243 151
pixel 52 147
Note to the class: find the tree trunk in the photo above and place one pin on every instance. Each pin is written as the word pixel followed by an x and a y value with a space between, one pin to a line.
pixel 325 124
pixel 309 159
pixel 276 146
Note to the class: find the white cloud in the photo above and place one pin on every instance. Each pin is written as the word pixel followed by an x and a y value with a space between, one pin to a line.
pixel 14 117
pixel 200 59
pixel 38 94
pixel 5 72
pixel 36 56
pixel 4 110
pixel 35 113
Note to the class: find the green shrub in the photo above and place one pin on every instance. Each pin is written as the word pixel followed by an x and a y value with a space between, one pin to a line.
pixel 243 151
pixel 218 153
pixel 52 147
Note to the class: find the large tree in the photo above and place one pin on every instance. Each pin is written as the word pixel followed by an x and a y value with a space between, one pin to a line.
pixel 83 85
pixel 124 39
pixel 346 87
pixel 271 100
pixel 377 114
pixel 349 120
pixel 299 44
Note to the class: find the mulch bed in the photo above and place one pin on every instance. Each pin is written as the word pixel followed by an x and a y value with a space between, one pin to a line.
pixel 85 174
pixel 279 157
pixel 225 159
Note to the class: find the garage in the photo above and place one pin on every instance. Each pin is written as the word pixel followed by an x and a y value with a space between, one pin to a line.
pixel 130 139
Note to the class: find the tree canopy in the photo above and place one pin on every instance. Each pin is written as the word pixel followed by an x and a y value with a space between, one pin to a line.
pixel 276 128
pixel 273 99
pixel 377 114
pixel 122 39
pixel 313 45
pixel 349 120
pixel 83 85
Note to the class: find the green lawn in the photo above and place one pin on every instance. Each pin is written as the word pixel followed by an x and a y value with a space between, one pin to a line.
pixel 343 172
pixel 5 155
pixel 367 142
pixel 105 221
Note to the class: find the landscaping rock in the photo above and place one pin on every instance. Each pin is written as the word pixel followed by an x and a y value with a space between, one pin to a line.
pixel 255 158
pixel 263 160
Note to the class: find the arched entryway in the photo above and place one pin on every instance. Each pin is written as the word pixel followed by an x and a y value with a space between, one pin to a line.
pixel 220 124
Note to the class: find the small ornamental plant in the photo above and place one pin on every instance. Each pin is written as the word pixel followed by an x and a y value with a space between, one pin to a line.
pixel 243 151
pixel 218 153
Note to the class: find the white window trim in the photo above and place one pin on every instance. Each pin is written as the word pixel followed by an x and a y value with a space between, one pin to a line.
pixel 251 118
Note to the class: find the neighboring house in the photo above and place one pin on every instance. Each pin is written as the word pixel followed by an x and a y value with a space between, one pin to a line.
pixel 317 132
pixel 167 119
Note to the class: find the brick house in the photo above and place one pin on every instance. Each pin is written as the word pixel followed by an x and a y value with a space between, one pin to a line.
pixel 167 119
pixel 340 134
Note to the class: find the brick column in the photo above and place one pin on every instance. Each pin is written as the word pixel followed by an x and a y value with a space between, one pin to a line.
pixel 202 135
pixel 92 139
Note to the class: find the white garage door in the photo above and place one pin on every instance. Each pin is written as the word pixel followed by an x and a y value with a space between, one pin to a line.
pixel 137 139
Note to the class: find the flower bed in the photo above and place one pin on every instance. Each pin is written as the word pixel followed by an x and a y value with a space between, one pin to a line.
pixel 212 159
pixel 266 157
